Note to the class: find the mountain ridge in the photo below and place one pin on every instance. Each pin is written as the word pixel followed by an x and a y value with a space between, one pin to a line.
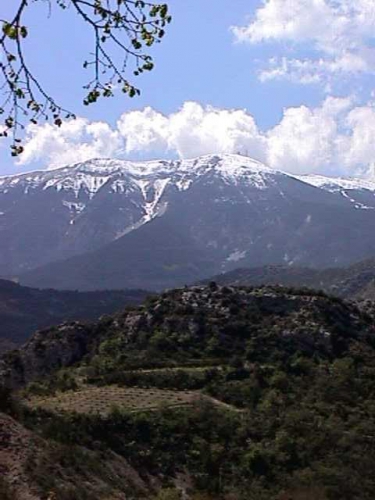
pixel 355 282
pixel 24 310
pixel 230 210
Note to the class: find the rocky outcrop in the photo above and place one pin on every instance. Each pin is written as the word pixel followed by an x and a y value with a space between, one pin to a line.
pixel 46 352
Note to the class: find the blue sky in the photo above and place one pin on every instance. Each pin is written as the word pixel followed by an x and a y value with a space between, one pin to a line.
pixel 287 81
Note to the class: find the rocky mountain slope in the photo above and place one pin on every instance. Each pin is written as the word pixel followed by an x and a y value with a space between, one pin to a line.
pixel 166 223
pixel 355 282
pixel 24 310
pixel 24 453
pixel 283 406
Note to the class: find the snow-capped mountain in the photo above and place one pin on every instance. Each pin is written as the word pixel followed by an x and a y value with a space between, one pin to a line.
pixel 115 224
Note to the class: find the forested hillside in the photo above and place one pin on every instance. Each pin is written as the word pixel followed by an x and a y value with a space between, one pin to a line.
pixel 203 393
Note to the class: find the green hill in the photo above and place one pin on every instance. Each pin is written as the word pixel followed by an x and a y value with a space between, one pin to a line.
pixel 203 393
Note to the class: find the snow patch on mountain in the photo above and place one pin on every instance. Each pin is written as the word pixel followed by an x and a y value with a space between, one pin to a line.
pixel 89 183
pixel 345 187
pixel 236 256
pixel 334 184
pixel 356 203
pixel 151 207
pixel 74 207
pixel 121 186
pixel 183 184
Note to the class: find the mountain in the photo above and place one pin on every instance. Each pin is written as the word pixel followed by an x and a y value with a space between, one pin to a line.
pixel 359 192
pixel 353 282
pixel 208 392
pixel 24 310
pixel 158 255
pixel 119 224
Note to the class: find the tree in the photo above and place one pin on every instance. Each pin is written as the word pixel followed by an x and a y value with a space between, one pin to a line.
pixel 123 31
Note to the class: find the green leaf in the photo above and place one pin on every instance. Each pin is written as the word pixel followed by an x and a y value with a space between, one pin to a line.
pixel 148 66
pixel 10 31
pixel 136 44
pixel 163 10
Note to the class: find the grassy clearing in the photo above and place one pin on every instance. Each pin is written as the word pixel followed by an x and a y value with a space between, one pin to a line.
pixel 102 400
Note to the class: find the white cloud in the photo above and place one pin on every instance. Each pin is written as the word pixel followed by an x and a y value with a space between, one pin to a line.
pixel 307 139
pixel 315 71
pixel 335 138
pixel 76 140
pixel 338 36
pixel 359 150
pixel 192 131
pixel 300 20
pixel 144 131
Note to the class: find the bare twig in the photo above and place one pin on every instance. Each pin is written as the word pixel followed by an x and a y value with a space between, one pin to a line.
pixel 123 31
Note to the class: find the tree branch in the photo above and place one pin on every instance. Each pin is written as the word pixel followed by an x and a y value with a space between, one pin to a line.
pixel 123 32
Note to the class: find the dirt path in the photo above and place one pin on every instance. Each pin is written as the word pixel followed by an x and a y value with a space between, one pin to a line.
pixel 227 406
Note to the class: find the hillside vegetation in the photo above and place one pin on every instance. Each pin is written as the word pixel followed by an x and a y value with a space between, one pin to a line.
pixel 207 392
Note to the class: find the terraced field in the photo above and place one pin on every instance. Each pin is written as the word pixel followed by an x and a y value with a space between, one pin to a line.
pixel 102 400
pixel 174 369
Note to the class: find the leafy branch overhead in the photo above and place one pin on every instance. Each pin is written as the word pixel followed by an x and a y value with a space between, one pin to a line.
pixel 123 32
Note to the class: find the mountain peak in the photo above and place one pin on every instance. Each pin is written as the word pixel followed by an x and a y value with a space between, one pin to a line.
pixel 92 175
pixel 224 163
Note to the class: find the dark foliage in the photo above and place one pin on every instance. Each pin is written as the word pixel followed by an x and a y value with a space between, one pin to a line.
pixel 289 375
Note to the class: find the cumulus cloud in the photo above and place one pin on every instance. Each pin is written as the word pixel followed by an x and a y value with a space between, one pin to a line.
pixel 335 138
pixel 338 35
pixel 192 131
pixel 144 131
pixel 76 140
pixel 309 139
pixel 359 150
